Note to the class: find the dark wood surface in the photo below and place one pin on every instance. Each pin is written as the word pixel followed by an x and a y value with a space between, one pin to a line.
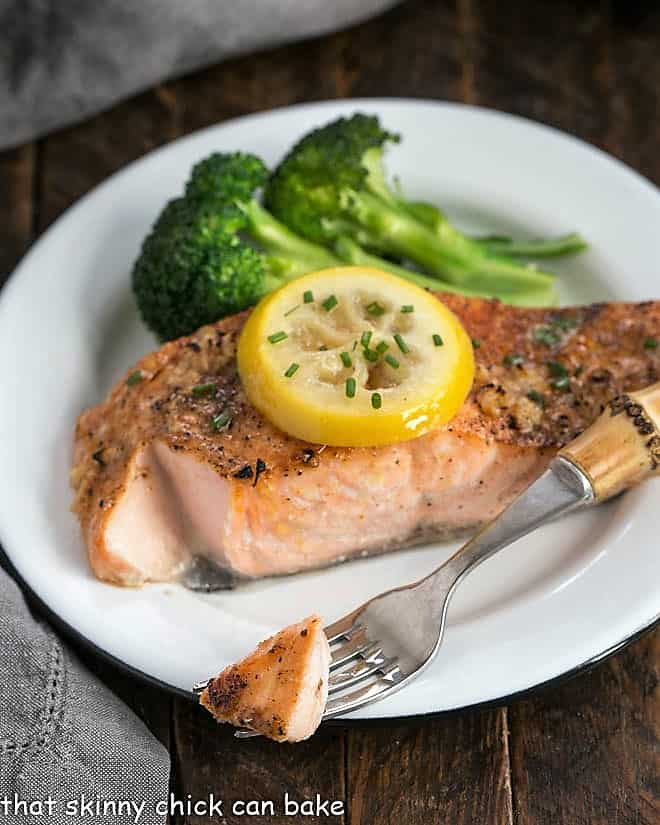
pixel 584 752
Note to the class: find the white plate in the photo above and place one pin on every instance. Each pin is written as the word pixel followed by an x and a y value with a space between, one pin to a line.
pixel 68 329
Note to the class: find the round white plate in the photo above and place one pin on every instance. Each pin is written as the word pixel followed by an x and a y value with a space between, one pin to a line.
pixel 68 329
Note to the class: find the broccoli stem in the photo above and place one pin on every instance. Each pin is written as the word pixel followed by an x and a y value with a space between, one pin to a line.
pixel 569 244
pixel 286 251
pixel 352 253
pixel 444 252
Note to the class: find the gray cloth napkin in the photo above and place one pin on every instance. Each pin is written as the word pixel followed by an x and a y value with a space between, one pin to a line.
pixel 62 61
pixel 64 736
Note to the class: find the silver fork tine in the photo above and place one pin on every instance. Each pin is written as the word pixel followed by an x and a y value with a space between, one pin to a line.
pixel 347 678
pixel 358 644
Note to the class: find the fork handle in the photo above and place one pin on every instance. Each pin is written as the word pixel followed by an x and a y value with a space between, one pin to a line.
pixel 622 447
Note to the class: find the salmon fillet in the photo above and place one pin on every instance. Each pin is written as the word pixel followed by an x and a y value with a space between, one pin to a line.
pixel 279 690
pixel 155 482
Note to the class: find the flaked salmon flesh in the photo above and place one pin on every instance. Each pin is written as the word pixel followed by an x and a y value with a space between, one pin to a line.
pixel 280 689
pixel 155 481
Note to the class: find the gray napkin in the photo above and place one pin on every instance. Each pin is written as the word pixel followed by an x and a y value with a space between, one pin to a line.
pixel 64 736
pixel 62 61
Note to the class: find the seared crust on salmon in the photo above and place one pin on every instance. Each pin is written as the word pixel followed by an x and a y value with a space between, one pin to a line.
pixel 160 471
pixel 280 689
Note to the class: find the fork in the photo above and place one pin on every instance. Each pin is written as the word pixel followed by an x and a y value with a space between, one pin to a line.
pixel 391 639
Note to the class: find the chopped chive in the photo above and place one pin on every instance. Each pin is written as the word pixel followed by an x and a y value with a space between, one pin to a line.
pixel 203 389
pixel 578 371
pixel 407 308
pixel 536 397
pixel 276 337
pixel 375 309
pixel 370 354
pixel 330 303
pixel 476 343
pixel 382 347
pixel 401 344
pixel 293 309
pixel 354 346
pixel 365 337
pixel 292 370
pixel 557 369
pixel 545 335
pixel 561 383
pixel 376 400
pixel 134 378
pixel 308 296
pixel 391 360
pixel 346 359
pixel 437 340
pixel 221 420
pixel 351 387
pixel 323 348
pixel 650 343
pixel 514 359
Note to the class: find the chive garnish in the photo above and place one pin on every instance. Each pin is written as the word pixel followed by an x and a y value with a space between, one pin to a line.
pixel 650 343
pixel 276 337
pixel 293 309
pixel 134 378
pixel 292 370
pixel 376 400
pixel 365 337
pixel 407 308
pixel 391 360
pixel 401 344
pixel 221 420
pixel 545 335
pixel 323 348
pixel 476 343
pixel 514 359
pixel 370 354
pixel 557 369
pixel 346 359
pixel 536 396
pixel 437 340
pixel 560 375
pixel 351 386
pixel 375 309
pixel 561 383
pixel 203 389
pixel 308 296
pixel 382 347
pixel 330 303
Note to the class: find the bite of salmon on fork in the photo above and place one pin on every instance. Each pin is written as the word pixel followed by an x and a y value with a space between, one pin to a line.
pixel 280 690
pixel 176 463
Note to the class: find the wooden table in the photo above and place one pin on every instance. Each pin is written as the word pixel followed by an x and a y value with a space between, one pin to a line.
pixel 582 752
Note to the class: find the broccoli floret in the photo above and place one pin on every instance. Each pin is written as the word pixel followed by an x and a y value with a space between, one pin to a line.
pixel 332 184
pixel 227 178
pixel 215 251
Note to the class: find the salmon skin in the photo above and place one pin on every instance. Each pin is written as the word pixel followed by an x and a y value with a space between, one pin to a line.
pixel 157 481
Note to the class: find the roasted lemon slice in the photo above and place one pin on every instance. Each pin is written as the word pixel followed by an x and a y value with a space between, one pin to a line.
pixel 354 357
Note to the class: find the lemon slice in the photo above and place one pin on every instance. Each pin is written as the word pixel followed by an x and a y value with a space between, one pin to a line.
pixel 354 357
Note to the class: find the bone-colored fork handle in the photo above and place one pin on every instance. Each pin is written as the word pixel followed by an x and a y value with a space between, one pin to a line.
pixel 622 447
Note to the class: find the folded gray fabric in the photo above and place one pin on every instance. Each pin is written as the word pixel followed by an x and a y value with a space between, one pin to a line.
pixel 64 737
pixel 62 61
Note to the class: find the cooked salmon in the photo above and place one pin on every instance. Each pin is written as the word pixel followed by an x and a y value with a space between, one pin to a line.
pixel 280 689
pixel 156 480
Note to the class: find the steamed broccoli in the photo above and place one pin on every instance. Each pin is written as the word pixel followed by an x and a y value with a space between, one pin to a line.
pixel 216 251
pixel 332 184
